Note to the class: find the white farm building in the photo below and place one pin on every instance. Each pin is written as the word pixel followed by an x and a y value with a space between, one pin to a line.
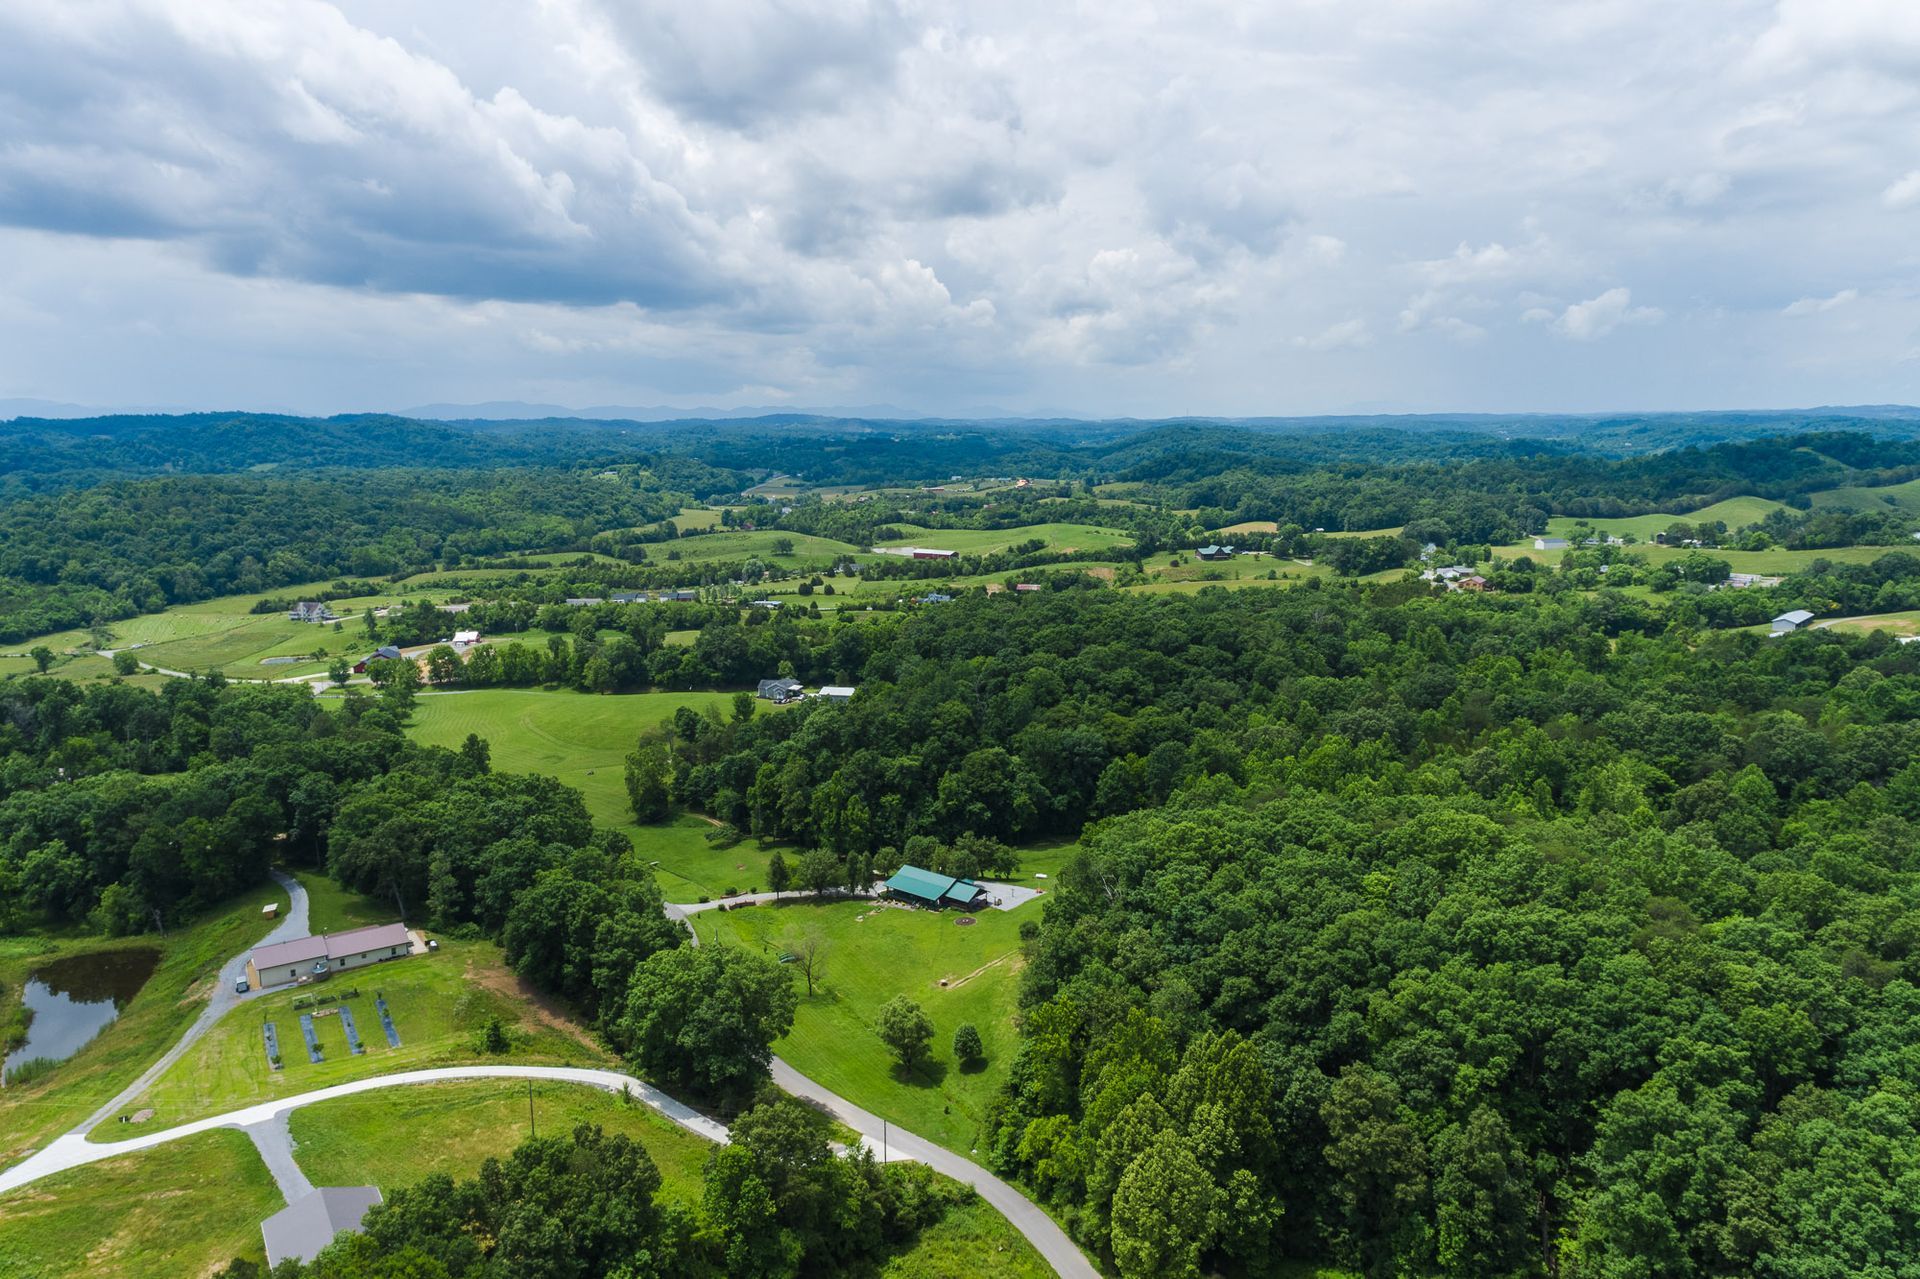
pixel 308 958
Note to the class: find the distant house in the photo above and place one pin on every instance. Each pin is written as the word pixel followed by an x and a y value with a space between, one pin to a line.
pixel 1550 543
pixel 308 1224
pixel 308 611
pixel 1026 586
pixel 679 597
pixel 779 691
pixel 1788 622
pixel 466 637
pixel 836 692
pixel 926 888
pixel 1216 552
pixel 385 653
pixel 317 958
pixel 629 597
pixel 1472 583
pixel 936 597
pixel 455 608
pixel 1741 581
pixel 766 604
pixel 584 601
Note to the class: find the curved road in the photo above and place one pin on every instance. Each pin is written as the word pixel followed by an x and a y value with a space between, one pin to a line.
pixel 266 1122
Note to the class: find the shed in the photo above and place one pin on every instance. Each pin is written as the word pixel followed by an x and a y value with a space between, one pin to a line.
pixel 1549 543
pixel 836 692
pixel 309 1223
pixel 1791 621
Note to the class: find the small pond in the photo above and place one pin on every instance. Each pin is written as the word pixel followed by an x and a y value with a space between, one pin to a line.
pixel 76 998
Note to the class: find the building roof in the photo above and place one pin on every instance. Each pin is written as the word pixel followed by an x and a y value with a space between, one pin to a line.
pixel 330 946
pixel 466 637
pixel 836 690
pixel 297 951
pixel 387 651
pixel 962 891
pixel 924 884
pixel 309 1223
pixel 1798 617
pixel 372 937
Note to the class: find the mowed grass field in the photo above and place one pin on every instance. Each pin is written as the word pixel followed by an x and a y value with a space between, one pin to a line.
pixel 581 738
pixel 185 1208
pixel 808 551
pixel 968 541
pixel 1907 623
pixel 398 1135
pixel 191 956
pixel 876 952
pixel 439 1003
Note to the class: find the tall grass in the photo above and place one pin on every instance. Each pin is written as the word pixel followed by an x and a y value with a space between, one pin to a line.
pixel 25 1072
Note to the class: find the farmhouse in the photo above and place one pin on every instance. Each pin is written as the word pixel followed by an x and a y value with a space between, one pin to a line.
pixel 678 597
pixel 307 611
pixel 1788 622
pixel 385 653
pixel 925 888
pixel 1216 552
pixel 316 958
pixel 308 1224
pixel 779 691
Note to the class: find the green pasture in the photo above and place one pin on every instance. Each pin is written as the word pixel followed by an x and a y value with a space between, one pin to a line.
pixel 396 1136
pixel 1736 513
pixel 439 1002
pixel 1904 498
pixel 583 739
pixel 1058 537
pixel 1907 623
pixel 879 951
pixel 184 1208
pixel 808 551
pixel 191 955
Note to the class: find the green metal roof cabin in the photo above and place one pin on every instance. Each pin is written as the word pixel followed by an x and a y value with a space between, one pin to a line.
pixel 934 890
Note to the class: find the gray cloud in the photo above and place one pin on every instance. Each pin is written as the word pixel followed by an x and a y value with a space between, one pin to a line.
pixel 1217 207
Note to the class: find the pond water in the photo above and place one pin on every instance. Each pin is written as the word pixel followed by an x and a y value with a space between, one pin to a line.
pixel 76 998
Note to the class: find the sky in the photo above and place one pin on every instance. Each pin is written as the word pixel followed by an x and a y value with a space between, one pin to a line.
pixel 1095 209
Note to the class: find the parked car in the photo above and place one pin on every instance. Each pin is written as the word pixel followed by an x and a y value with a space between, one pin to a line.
pixel 240 987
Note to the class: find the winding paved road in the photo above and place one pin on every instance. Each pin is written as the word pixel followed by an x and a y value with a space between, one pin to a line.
pixel 266 1123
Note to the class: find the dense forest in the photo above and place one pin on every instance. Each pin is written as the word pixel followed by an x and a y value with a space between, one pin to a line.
pixel 1474 940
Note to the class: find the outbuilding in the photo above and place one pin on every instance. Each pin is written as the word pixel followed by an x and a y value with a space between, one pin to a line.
pixel 929 888
pixel 1549 543
pixel 836 692
pixel 1216 552
pixel 301 1229
pixel 1789 622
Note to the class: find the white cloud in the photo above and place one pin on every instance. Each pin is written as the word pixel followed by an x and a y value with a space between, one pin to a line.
pixel 1341 336
pixel 1598 316
pixel 1903 194
pixel 1817 306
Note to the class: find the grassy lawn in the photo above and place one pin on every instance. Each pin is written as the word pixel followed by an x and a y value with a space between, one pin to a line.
pixel 894 951
pixel 453 1127
pixel 30 1114
pixel 1907 623
pixel 708 548
pixel 969 541
pixel 972 1239
pixel 438 1002
pixel 185 1208
pixel 332 909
